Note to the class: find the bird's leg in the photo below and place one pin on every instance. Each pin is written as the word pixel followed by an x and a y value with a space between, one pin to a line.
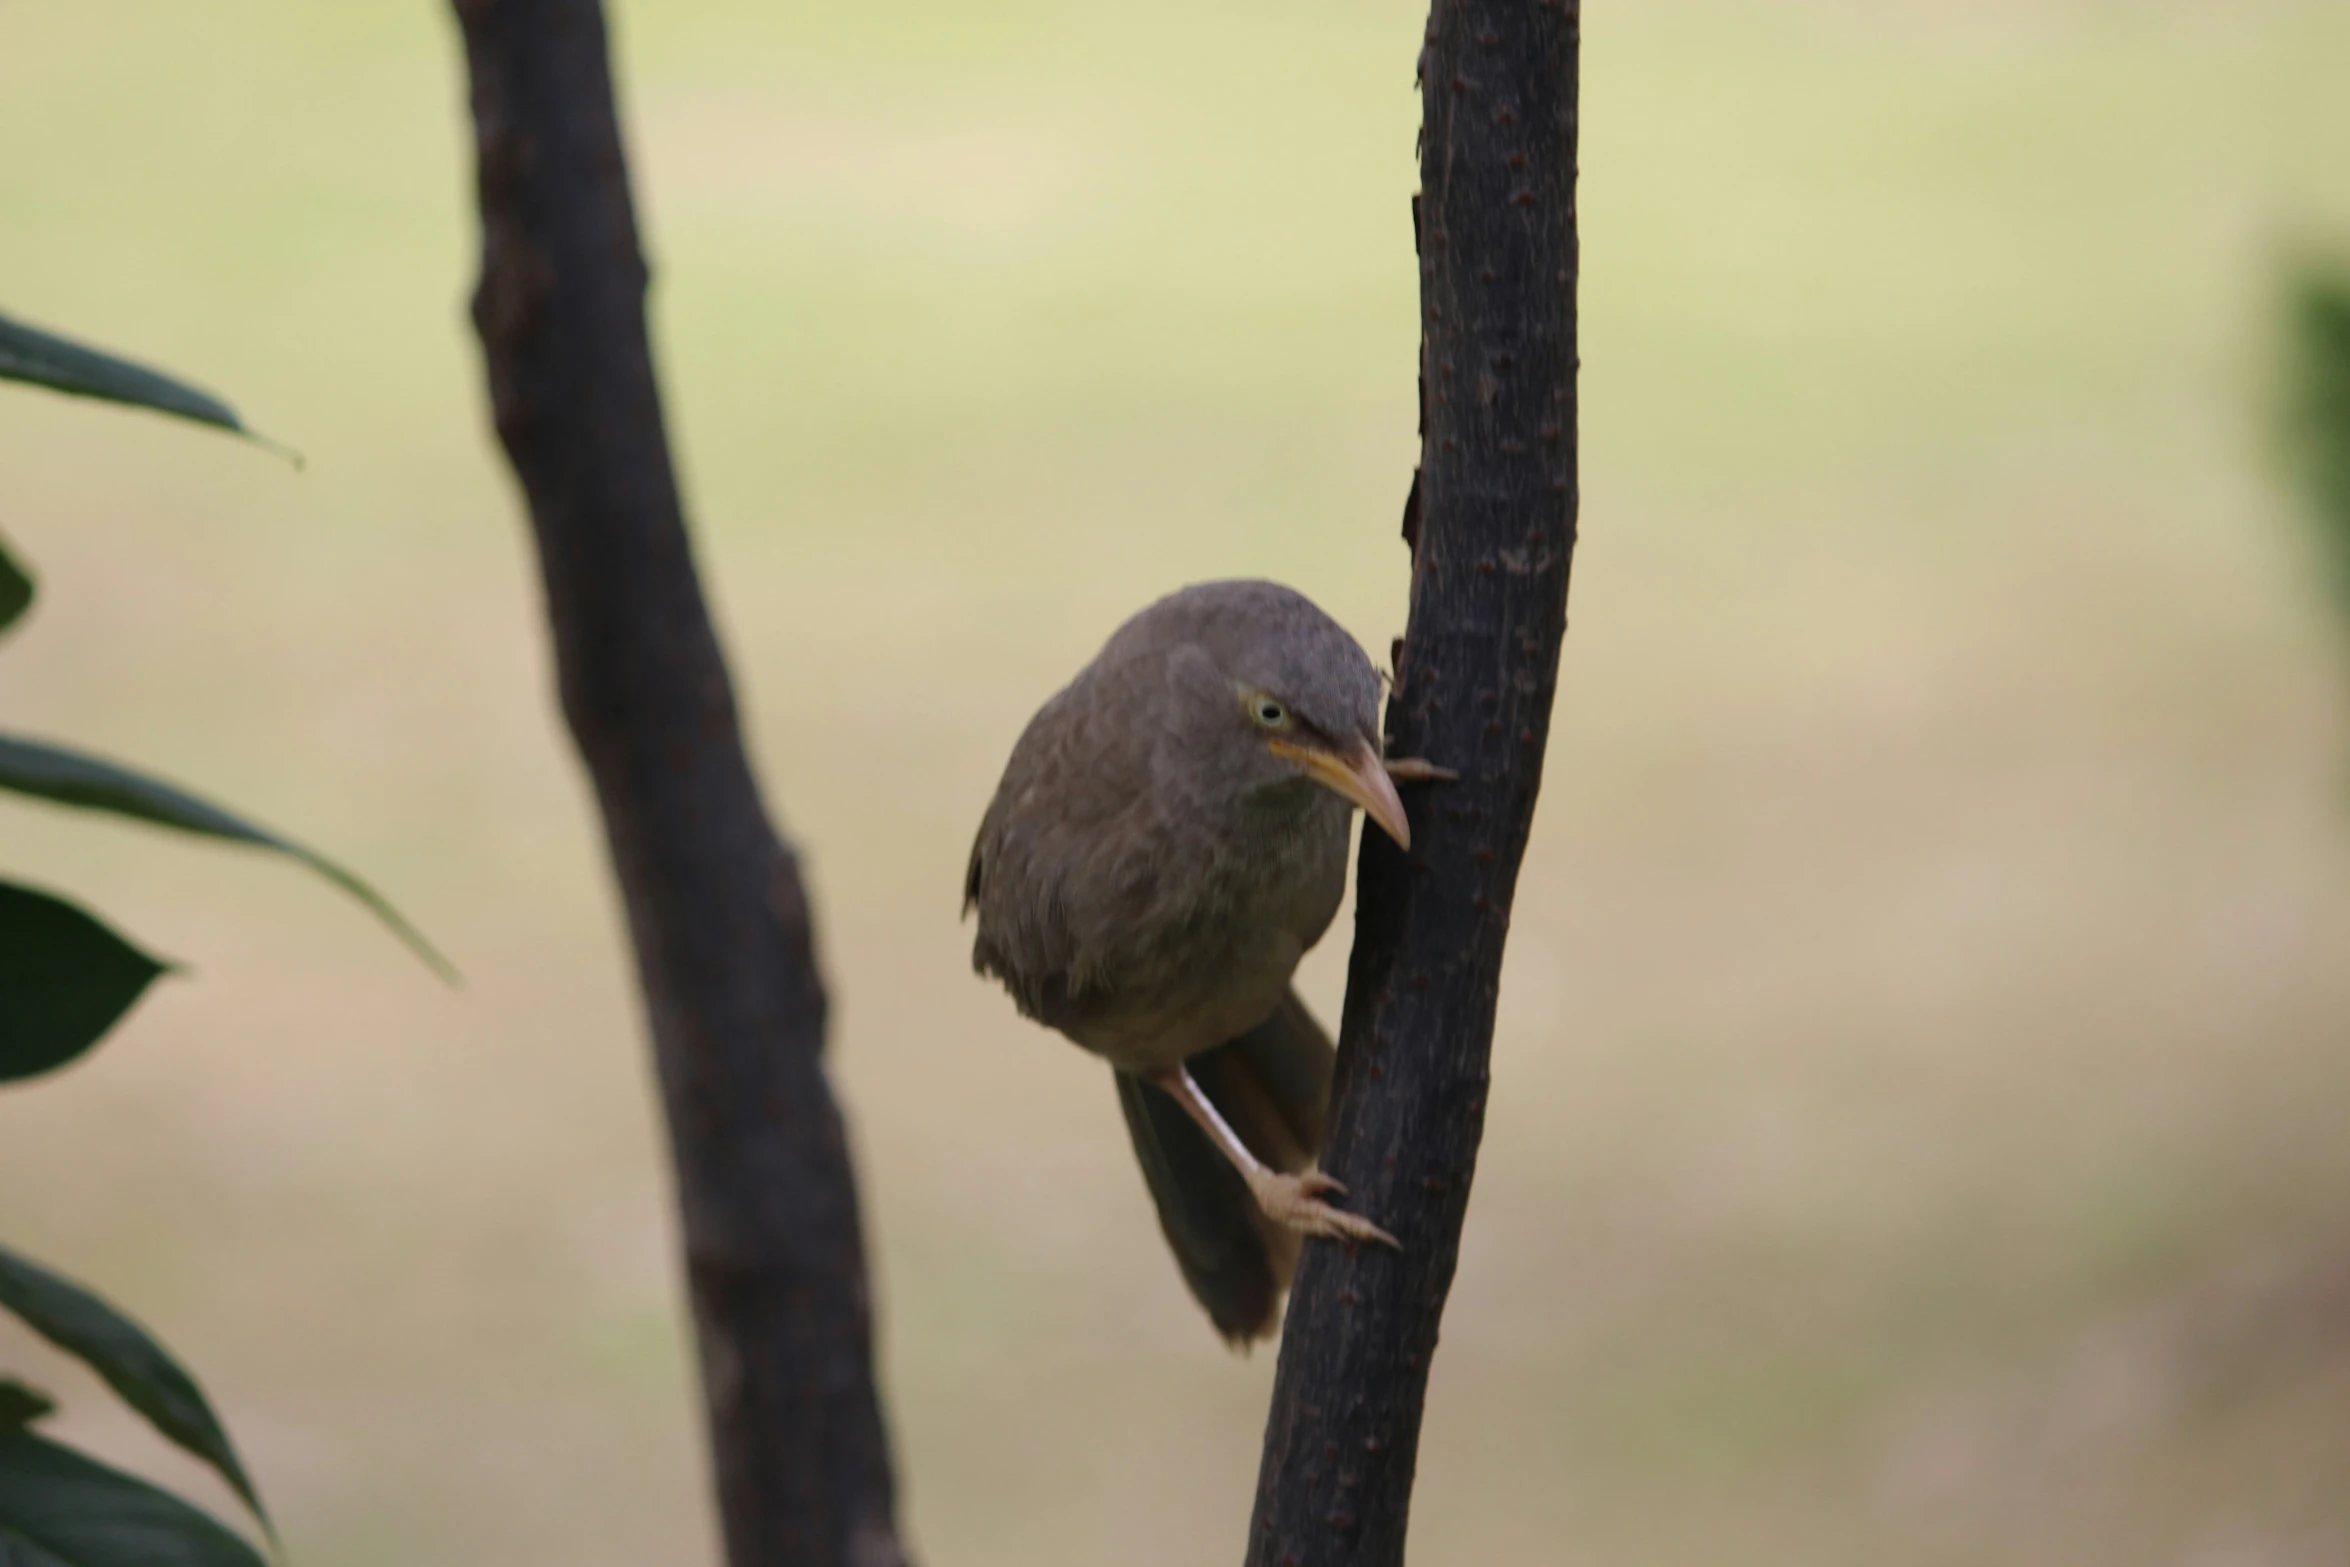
pixel 1418 769
pixel 1291 1201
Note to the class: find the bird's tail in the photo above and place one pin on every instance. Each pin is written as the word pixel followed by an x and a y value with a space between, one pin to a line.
pixel 1272 1084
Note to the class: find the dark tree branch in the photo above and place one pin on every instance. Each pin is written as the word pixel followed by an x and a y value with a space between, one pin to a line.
pixel 1493 522
pixel 773 1253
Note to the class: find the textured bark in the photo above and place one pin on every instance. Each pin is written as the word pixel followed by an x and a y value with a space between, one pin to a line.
pixel 725 954
pixel 1491 522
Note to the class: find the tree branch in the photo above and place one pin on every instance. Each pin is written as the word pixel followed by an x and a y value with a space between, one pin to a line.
pixel 725 954
pixel 1492 526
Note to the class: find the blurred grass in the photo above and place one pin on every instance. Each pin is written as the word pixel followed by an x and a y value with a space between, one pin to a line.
pixel 1919 1132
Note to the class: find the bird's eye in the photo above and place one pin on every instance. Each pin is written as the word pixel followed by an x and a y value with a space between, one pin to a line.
pixel 1269 712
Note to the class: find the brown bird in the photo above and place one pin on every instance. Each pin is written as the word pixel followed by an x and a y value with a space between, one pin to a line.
pixel 1168 839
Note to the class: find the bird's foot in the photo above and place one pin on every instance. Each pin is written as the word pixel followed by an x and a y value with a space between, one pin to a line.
pixel 1418 769
pixel 1295 1202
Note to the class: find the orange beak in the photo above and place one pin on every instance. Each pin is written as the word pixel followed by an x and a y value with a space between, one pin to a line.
pixel 1361 779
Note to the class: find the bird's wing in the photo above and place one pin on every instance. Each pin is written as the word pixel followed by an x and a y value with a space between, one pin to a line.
pixel 1070 855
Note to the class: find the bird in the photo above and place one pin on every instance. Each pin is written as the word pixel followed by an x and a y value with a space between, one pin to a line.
pixel 1168 839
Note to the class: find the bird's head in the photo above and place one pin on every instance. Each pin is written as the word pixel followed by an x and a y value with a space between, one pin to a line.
pixel 1282 694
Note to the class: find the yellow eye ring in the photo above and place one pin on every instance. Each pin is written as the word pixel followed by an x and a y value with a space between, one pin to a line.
pixel 1268 713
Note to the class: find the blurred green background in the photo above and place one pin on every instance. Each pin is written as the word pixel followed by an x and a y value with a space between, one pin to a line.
pixel 1919 1133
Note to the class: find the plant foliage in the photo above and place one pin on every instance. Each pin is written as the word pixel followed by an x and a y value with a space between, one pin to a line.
pixel 16 589
pixel 133 1364
pixel 42 359
pixel 65 777
pixel 2318 413
pixel 60 1509
pixel 66 978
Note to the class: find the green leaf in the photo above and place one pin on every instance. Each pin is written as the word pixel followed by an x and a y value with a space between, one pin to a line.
pixel 60 1509
pixel 2318 410
pixel 43 359
pixel 132 1363
pixel 65 979
pixel 65 777
pixel 21 1405
pixel 16 589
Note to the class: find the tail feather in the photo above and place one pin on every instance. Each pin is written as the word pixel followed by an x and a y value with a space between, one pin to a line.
pixel 1272 1084
pixel 1206 1212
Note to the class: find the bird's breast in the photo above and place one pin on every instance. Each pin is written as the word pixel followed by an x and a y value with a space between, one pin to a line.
pixel 1229 922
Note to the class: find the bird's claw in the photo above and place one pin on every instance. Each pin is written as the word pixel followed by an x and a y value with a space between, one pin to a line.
pixel 1295 1202
pixel 1418 769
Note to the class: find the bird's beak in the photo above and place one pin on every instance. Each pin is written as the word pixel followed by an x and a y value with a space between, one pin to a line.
pixel 1361 778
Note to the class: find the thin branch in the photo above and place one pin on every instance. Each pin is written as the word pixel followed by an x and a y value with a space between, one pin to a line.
pixel 1492 525
pixel 721 925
